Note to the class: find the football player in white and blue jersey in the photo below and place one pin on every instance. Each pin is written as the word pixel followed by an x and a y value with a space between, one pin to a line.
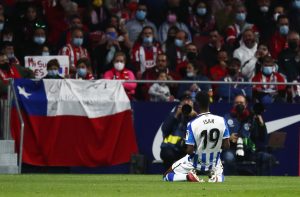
pixel 206 136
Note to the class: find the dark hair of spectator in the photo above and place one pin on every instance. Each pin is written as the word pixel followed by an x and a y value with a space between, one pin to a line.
pixel 234 61
pixel 84 60
pixel 120 53
pixel 142 3
pixel 268 58
pixel 76 29
pixel 208 8
pixel 140 37
pixel 186 36
pixel 74 16
pixel 281 17
pixel 53 62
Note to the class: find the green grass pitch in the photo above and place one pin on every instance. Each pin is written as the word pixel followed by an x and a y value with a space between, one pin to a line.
pixel 143 185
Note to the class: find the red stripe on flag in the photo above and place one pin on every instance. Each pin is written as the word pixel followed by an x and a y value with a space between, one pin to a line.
pixel 76 141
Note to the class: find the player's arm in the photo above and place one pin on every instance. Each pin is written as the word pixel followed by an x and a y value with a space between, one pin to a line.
pixel 225 143
pixel 226 136
pixel 190 140
pixel 190 149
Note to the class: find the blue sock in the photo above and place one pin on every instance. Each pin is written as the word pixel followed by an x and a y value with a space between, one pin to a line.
pixel 169 177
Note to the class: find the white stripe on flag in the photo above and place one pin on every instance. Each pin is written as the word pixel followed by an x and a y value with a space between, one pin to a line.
pixel 85 98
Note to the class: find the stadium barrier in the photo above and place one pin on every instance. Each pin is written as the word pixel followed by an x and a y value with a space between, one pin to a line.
pixel 169 106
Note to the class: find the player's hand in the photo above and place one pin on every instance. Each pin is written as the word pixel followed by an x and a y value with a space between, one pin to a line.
pixel 234 137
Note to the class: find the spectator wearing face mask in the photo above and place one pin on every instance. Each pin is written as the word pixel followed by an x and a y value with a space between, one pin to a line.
pixel 53 70
pixel 264 93
pixel 66 36
pixel 74 50
pixel 119 72
pixel 261 16
pixel 136 25
pixel 227 92
pixel 278 40
pixel 193 74
pixel 145 51
pixel 83 70
pixel 192 56
pixel 176 53
pixel 27 24
pixel 46 51
pixel 202 21
pixel 171 20
pixel 235 30
pixel 109 46
pixel 248 140
pixel 34 47
pixel 288 63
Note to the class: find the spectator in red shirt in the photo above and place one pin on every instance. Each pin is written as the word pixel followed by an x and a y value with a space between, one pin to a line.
pixel 83 68
pixel 6 71
pixel 234 31
pixel 219 71
pixel 278 40
pixel 145 51
pixel 66 36
pixel 269 93
pixel 74 50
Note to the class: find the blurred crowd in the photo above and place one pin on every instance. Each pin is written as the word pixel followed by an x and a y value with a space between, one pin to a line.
pixel 196 40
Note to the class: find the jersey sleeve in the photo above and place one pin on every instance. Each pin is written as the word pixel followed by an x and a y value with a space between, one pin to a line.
pixel 226 132
pixel 189 139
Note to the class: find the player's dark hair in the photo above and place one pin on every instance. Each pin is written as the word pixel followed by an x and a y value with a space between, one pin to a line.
pixel 202 99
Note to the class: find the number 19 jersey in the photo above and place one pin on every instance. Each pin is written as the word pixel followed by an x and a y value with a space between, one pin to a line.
pixel 206 133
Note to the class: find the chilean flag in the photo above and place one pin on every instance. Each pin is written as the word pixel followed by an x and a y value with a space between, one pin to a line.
pixel 74 122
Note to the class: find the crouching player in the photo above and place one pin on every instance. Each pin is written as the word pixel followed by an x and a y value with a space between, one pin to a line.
pixel 206 135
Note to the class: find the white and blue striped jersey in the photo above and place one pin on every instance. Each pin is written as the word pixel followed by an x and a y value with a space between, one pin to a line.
pixel 206 133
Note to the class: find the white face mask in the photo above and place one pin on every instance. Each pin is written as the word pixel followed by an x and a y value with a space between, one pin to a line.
pixel 190 74
pixel 119 66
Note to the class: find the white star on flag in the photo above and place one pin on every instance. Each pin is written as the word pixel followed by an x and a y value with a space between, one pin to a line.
pixel 23 92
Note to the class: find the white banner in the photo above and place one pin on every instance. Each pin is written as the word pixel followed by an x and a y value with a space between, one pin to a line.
pixel 85 97
pixel 38 64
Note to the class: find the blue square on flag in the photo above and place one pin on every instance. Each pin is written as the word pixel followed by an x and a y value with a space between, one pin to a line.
pixel 31 95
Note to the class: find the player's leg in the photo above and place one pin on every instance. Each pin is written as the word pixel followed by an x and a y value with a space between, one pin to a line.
pixel 179 170
pixel 217 174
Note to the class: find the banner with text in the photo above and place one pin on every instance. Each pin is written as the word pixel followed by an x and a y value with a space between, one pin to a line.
pixel 38 64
